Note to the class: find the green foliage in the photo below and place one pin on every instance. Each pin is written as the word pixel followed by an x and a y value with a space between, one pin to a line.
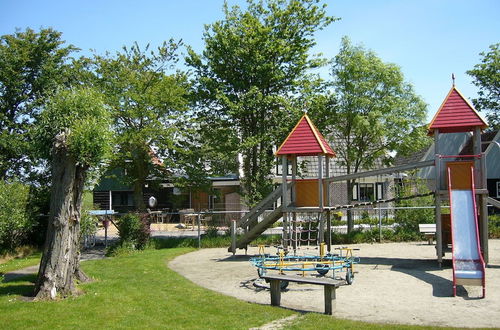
pixel 147 103
pixel 32 65
pixel 486 77
pixel 371 111
pixel 88 224
pixel 81 113
pixel 16 221
pixel 134 231
pixel 494 226
pixel 249 82
pixel 408 220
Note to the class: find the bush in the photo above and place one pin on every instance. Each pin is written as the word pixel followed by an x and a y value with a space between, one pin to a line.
pixel 134 229
pixel 494 226
pixel 88 228
pixel 15 220
pixel 409 219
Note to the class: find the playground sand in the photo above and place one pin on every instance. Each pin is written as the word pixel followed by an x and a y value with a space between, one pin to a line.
pixel 397 283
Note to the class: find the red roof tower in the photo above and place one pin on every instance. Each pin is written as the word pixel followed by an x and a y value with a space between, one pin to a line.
pixel 456 115
pixel 305 140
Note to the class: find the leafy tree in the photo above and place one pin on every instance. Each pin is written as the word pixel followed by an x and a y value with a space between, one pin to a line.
pixel 409 219
pixel 371 113
pixel 146 103
pixel 249 78
pixel 74 134
pixel 487 77
pixel 32 65
pixel 16 220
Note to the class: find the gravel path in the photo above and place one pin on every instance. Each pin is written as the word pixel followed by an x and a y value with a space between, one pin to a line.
pixel 397 283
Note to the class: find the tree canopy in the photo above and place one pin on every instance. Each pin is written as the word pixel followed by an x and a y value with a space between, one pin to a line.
pixel 487 78
pixel 32 65
pixel 249 79
pixel 370 113
pixel 146 98
pixel 74 132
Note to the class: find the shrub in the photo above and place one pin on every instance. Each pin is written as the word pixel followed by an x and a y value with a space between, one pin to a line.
pixel 409 219
pixel 15 220
pixel 134 229
pixel 494 226
pixel 88 227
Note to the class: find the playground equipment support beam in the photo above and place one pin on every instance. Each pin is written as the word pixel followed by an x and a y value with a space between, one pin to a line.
pixel 483 198
pixel 321 232
pixel 381 171
pixel 284 200
pixel 328 215
pixel 437 198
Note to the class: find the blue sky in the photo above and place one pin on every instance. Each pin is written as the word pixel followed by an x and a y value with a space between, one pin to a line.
pixel 428 39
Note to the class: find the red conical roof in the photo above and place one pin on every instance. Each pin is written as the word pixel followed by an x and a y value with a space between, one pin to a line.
pixel 455 115
pixel 305 140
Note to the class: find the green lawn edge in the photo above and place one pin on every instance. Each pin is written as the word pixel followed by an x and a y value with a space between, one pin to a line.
pixel 140 291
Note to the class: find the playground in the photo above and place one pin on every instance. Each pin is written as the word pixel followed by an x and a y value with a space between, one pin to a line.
pixel 396 283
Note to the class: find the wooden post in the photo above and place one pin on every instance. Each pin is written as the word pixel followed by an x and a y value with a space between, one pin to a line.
pixel 321 227
pixel 293 189
pixel 437 169
pixel 284 199
pixel 293 199
pixel 330 296
pixel 320 182
pixel 275 293
pixel 484 210
pixel 328 213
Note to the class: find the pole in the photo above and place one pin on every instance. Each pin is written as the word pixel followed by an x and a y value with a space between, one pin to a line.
pixel 284 199
pixel 233 236
pixel 437 197
pixel 199 230
pixel 328 213
pixel 379 225
pixel 321 227
pixel 106 231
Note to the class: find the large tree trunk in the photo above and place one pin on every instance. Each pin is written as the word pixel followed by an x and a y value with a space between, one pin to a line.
pixel 60 264
pixel 139 195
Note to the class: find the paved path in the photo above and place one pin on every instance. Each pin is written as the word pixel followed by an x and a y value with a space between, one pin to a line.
pixel 92 254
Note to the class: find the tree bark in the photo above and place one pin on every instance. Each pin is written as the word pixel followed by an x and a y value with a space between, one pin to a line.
pixel 60 264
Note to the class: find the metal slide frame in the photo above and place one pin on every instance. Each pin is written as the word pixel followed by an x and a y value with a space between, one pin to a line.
pixel 478 242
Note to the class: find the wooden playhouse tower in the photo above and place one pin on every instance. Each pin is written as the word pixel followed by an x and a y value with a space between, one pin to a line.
pixel 457 115
pixel 310 195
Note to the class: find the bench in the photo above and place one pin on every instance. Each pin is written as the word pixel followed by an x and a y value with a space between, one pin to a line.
pixel 429 231
pixel 329 286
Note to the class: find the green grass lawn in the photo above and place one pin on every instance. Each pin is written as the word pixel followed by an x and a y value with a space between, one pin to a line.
pixel 18 263
pixel 140 291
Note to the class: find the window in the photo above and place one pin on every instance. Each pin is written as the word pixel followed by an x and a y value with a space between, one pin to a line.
pixel 380 190
pixel 355 192
pixel 122 198
pixel 279 167
pixel 366 192
pixel 212 199
pixel 215 201
pixel 498 189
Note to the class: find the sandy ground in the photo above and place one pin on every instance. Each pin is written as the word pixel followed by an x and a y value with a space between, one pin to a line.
pixel 396 283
